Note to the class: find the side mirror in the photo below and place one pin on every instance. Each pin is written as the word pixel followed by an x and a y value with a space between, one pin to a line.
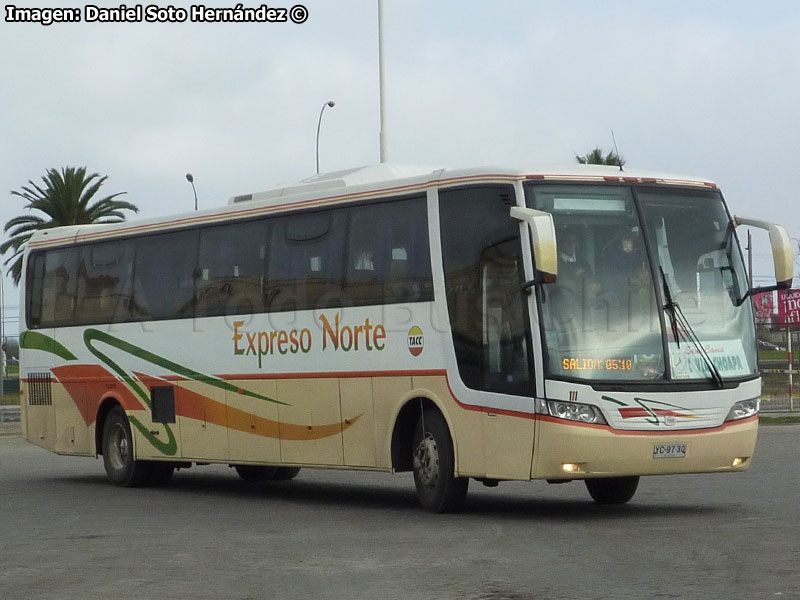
pixel 543 235
pixel 782 255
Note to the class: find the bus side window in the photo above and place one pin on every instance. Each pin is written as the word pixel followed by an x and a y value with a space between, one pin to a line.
pixel 163 282
pixel 104 282
pixel 59 287
pixel 388 255
pixel 35 291
pixel 366 258
pixel 230 269
pixel 306 261
pixel 409 278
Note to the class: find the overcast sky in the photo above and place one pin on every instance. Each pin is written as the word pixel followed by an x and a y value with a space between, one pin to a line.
pixel 706 88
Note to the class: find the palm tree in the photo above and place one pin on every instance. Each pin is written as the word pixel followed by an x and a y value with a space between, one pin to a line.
pixel 596 157
pixel 65 200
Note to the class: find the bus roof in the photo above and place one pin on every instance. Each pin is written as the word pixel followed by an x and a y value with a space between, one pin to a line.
pixel 353 184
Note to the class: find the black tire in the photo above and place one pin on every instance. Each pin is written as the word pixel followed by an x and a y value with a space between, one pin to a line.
pixel 255 473
pixel 160 473
pixel 121 467
pixel 612 490
pixel 433 460
pixel 286 473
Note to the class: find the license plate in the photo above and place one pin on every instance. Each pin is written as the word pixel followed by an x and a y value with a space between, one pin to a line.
pixel 669 451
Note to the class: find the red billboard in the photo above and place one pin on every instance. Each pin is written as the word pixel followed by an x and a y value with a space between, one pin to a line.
pixel 763 307
pixel 789 307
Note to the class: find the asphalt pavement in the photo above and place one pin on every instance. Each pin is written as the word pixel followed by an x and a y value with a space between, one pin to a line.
pixel 66 533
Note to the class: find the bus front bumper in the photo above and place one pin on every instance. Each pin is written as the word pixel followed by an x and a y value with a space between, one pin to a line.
pixel 565 450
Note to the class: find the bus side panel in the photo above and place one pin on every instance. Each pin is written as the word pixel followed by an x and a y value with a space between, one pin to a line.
pixel 40 425
pixel 203 421
pixel 357 413
pixel 36 398
pixel 387 392
pixel 488 444
pixel 53 415
pixel 509 446
pixel 253 423
pixel 73 435
pixel 467 427
pixel 311 407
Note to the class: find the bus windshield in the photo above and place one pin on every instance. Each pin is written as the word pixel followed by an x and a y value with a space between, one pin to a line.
pixel 606 318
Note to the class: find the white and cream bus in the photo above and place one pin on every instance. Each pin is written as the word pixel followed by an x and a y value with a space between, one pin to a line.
pixel 561 324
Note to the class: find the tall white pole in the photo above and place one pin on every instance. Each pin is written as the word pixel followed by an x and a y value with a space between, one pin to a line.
pixel 791 366
pixel 383 155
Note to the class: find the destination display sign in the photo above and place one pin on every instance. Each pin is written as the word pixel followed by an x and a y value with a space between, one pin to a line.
pixel 727 355
pixel 596 364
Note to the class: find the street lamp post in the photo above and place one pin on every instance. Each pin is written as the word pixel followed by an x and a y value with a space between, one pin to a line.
pixel 190 179
pixel 330 103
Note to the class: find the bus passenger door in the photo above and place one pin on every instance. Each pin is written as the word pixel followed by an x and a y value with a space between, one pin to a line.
pixel 487 312
pixel 505 362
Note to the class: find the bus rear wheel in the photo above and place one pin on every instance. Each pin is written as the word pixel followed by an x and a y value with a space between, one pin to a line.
pixel 612 490
pixel 160 473
pixel 255 473
pixel 286 473
pixel 121 467
pixel 433 460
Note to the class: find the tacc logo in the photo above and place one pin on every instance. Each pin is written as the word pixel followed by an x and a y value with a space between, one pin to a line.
pixel 416 341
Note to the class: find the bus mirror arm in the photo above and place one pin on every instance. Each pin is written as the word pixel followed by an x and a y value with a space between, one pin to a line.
pixel 540 278
pixel 782 254
pixel 528 286
pixel 543 240
pixel 760 290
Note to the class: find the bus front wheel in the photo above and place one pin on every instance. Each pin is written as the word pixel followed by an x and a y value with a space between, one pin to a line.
pixel 612 490
pixel 121 467
pixel 433 460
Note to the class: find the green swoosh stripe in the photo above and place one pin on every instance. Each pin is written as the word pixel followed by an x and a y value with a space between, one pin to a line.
pixel 169 447
pixel 614 400
pixel 33 340
pixel 91 335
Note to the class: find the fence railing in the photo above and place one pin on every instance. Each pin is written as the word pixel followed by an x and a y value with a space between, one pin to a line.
pixel 778 348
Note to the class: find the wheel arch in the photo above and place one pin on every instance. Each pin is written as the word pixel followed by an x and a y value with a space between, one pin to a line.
pixel 403 428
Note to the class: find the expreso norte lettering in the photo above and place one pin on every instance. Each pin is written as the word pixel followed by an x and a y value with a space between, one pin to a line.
pixel 335 336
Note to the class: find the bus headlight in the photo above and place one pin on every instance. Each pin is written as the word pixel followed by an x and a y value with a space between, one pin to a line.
pixel 575 411
pixel 744 409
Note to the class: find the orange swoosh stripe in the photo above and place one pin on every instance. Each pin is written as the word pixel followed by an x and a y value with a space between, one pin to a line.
pixel 195 406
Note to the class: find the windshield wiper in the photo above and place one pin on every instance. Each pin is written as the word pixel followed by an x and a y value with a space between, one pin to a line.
pixel 679 322
pixel 670 307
